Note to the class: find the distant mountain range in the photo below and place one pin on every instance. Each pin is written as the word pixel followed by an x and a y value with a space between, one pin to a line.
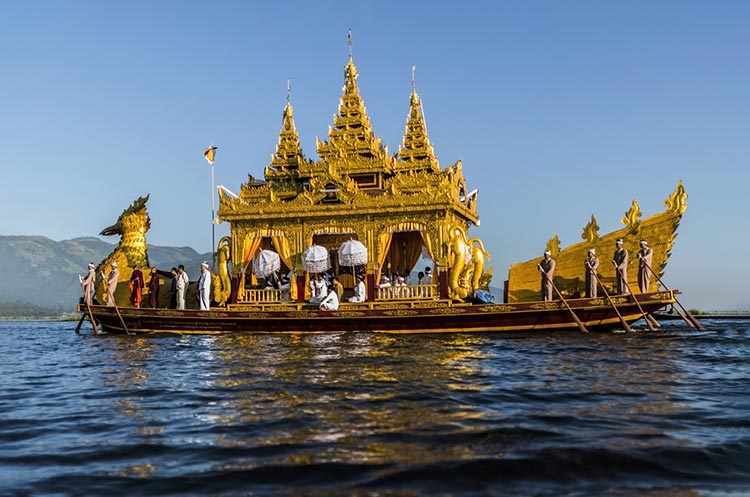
pixel 44 273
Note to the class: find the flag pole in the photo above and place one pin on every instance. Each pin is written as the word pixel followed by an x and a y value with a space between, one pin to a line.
pixel 213 218
pixel 209 156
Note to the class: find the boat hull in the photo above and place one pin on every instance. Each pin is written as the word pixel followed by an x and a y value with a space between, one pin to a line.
pixel 391 317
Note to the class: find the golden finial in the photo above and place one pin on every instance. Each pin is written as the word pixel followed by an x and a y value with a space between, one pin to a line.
pixel 591 230
pixel 632 217
pixel 677 201
pixel 413 79
pixel 349 38
pixel 288 91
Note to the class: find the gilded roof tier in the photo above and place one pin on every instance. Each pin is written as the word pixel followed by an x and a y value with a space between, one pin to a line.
pixel 288 156
pixel 416 150
pixel 354 171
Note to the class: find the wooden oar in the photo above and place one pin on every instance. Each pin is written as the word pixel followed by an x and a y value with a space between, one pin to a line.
pixel 645 318
pixel 80 322
pixel 575 318
pixel 653 320
pixel 93 321
pixel 692 321
pixel 624 323
pixel 114 303
pixel 91 318
pixel 122 321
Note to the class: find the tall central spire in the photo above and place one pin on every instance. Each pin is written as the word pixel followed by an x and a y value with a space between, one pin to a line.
pixel 351 134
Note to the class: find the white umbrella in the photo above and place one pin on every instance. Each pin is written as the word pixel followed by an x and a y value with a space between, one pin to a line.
pixel 426 253
pixel 265 263
pixel 315 259
pixel 352 253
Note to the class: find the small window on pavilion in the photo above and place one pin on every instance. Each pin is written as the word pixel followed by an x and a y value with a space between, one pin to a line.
pixel 331 194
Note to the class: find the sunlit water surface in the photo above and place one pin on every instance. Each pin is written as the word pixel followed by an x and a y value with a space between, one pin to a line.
pixel 354 414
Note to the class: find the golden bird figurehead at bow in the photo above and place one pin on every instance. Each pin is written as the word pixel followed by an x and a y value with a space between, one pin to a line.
pixel 132 226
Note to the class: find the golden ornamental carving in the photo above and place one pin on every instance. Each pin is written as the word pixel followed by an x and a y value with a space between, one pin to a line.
pixel 553 245
pixel 285 308
pixel 668 295
pixel 401 312
pixel 658 229
pixel 222 286
pixel 131 250
pixel 677 201
pixel 416 151
pixel 357 189
pixel 449 310
pixel 498 308
pixel 632 217
pixel 351 133
pixel 350 314
pixel 436 304
pixel 466 262
pixel 546 306
pixel 393 306
pixel 620 300
pixel 288 156
pixel 591 230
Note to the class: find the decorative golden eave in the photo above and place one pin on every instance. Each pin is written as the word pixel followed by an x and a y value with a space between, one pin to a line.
pixel 351 135
pixel 416 151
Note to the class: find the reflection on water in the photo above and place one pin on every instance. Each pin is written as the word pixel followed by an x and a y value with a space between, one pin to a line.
pixel 362 414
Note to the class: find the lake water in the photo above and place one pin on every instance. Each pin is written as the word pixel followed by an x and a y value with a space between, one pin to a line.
pixel 357 414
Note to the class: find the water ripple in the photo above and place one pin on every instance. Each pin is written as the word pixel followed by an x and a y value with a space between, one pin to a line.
pixel 561 414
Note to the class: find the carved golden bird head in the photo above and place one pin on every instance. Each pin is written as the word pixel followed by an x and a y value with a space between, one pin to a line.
pixel 134 218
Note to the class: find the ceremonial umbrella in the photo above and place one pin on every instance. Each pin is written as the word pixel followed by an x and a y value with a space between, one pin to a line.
pixel 315 259
pixel 426 253
pixel 352 253
pixel 265 263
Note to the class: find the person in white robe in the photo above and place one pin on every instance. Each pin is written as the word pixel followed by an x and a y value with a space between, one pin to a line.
pixel 181 283
pixel 111 280
pixel 330 302
pixel 204 287
pixel 591 264
pixel 427 278
pixel 318 289
pixel 360 292
pixel 645 256
pixel 87 283
pixel 620 261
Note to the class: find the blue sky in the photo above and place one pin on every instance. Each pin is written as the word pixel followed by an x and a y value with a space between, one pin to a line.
pixel 557 109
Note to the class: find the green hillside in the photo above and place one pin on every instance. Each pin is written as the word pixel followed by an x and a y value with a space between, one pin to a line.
pixel 44 273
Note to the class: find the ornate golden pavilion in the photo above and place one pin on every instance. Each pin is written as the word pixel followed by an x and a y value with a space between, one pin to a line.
pixel 398 206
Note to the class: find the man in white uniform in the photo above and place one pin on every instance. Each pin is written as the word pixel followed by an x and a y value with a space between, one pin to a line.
pixel 87 283
pixel 204 287
pixel 181 284
pixel 114 275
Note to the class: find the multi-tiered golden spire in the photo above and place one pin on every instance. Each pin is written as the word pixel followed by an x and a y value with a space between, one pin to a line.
pixel 288 156
pixel 416 151
pixel 351 135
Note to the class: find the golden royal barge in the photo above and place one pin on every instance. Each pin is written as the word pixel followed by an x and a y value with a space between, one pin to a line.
pixel 397 209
